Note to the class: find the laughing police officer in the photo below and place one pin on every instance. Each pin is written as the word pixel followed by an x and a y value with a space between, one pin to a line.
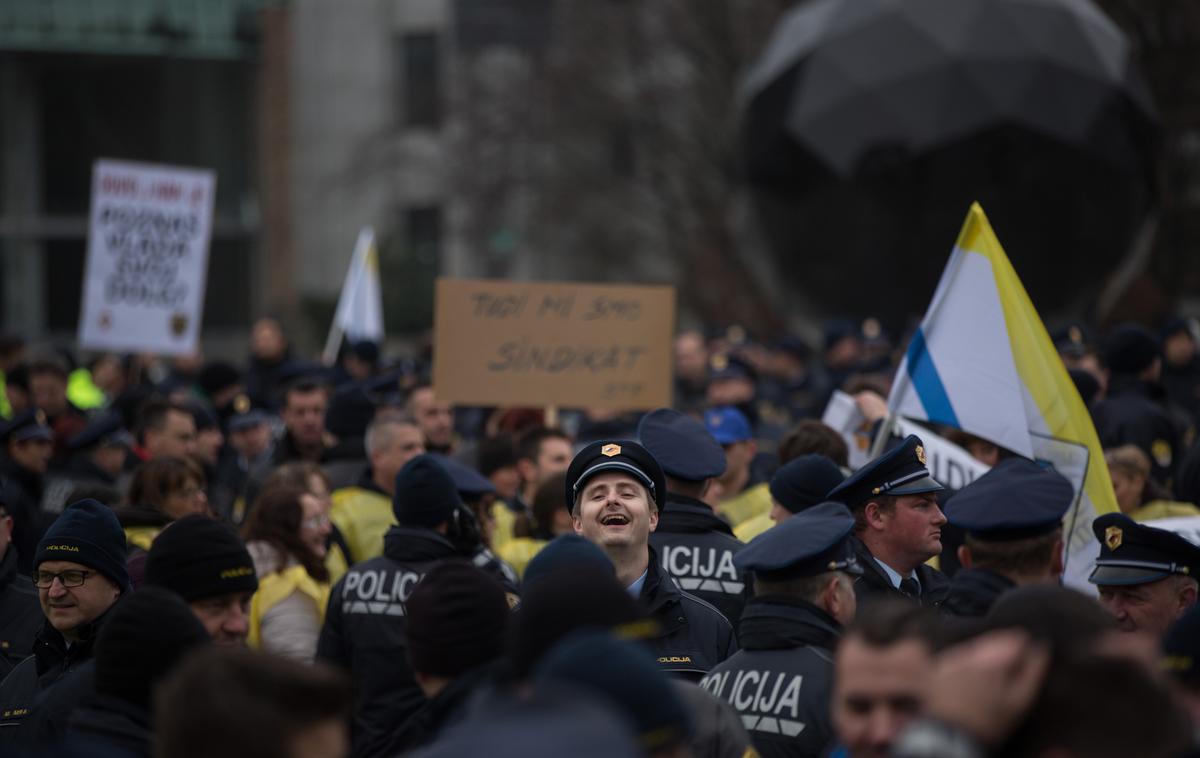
pixel 614 489
pixel 897 525
pixel 694 546
pixel 780 682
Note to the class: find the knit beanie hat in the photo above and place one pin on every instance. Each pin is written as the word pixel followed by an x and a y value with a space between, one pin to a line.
pixel 456 620
pixel 1129 349
pixel 198 557
pixel 143 638
pixel 565 554
pixel 88 533
pixel 350 412
pixel 425 494
pixel 587 598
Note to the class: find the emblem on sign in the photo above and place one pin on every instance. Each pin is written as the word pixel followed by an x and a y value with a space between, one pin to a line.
pixel 40 416
pixel 921 454
pixel 179 324
pixel 610 450
pixel 241 404
pixel 1113 536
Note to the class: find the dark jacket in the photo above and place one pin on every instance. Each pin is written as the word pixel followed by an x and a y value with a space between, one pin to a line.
pixel 692 635
pixel 697 548
pixel 52 664
pixel 20 614
pixel 874 583
pixel 22 497
pixel 443 711
pixel 113 725
pixel 1134 414
pixel 780 683
pixel 973 592
pixel 364 633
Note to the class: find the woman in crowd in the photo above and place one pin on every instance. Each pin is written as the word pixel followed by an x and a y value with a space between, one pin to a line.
pixel 1139 496
pixel 311 478
pixel 161 491
pixel 286 537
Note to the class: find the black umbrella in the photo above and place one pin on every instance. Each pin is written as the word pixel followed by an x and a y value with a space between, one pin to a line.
pixel 870 125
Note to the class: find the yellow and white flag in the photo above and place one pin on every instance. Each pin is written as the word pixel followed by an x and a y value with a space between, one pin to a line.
pixel 359 314
pixel 983 362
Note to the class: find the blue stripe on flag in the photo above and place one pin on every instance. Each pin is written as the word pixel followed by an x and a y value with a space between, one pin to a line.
pixel 927 383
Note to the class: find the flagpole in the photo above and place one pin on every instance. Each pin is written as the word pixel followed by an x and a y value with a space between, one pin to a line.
pixel 357 270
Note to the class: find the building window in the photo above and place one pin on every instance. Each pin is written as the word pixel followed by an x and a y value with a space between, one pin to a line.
pixel 421 75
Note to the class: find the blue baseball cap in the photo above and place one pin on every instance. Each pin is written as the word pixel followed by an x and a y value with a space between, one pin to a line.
pixel 727 425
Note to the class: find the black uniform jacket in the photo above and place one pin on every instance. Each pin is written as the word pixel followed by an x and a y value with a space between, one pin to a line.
pixel 22 496
pixel 974 591
pixel 780 682
pixel 52 662
pixel 874 583
pixel 697 548
pixel 20 614
pixel 692 636
pixel 364 633
pixel 1133 414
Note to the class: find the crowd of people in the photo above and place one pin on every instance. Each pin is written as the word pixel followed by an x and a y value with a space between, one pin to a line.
pixel 293 560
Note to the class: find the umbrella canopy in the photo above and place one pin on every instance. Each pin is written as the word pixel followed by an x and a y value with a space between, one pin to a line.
pixel 893 115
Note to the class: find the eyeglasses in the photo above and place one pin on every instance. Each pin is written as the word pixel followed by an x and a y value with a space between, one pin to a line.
pixel 315 522
pixel 69 578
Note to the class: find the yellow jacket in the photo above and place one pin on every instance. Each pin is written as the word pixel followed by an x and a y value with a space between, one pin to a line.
pixel 142 536
pixel 1156 509
pixel 755 501
pixel 362 516
pixel 519 551
pixel 276 587
pixel 503 519
pixel 754 526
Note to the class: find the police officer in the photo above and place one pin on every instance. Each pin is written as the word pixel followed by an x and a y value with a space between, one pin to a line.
pixel 97 458
pixel 20 614
pixel 780 681
pixel 364 623
pixel 1146 576
pixel 1012 516
pixel 897 525
pixel 27 442
pixel 614 489
pixel 694 546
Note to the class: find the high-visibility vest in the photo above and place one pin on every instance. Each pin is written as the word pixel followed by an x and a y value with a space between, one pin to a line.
pixel 519 551
pixel 363 517
pixel 142 536
pixel 276 587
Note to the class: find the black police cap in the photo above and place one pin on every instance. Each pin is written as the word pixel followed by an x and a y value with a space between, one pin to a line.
pixel 805 481
pixel 812 542
pixel 1181 647
pixel 105 429
pixel 618 455
pixel 27 425
pixel 682 445
pixel 899 471
pixel 1016 499
pixel 244 413
pixel 1133 553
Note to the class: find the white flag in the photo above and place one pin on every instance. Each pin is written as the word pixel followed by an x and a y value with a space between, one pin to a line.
pixel 359 313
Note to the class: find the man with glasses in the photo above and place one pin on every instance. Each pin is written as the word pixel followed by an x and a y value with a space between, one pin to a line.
pixel 79 572
pixel 20 615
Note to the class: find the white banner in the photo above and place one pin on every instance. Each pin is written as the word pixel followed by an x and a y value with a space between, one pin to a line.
pixel 948 463
pixel 143 288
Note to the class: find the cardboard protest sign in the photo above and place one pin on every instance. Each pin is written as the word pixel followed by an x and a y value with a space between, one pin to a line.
pixel 147 262
pixel 552 343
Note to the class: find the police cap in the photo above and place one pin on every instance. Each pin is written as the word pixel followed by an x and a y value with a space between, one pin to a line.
pixel 812 542
pixel 244 414
pixel 1016 499
pixel 727 425
pixel 27 425
pixel 1133 553
pixel 805 481
pixel 469 482
pixel 625 456
pixel 899 471
pixel 105 429
pixel 682 445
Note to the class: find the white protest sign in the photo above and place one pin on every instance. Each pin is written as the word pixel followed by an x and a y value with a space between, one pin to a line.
pixel 147 260
pixel 948 463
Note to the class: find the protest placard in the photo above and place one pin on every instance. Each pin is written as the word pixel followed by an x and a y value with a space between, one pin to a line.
pixel 553 344
pixel 147 262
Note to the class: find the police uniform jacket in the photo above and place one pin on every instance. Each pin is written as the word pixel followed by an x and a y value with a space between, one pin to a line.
pixel 20 614
pixel 364 633
pixel 51 663
pixel 23 490
pixel 973 592
pixel 697 548
pixel 874 583
pixel 692 635
pixel 1133 415
pixel 780 682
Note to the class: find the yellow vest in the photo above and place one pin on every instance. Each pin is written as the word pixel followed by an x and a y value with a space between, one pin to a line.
pixel 519 551
pixel 336 563
pixel 274 588
pixel 755 501
pixel 142 536
pixel 754 526
pixel 503 519
pixel 363 517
